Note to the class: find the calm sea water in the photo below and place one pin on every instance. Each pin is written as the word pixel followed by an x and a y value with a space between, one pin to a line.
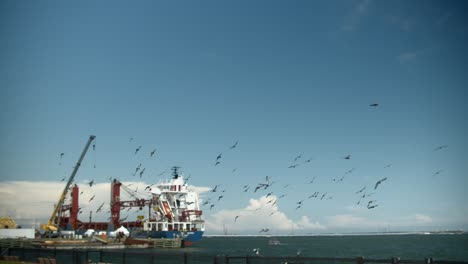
pixel 409 247
pixel 449 247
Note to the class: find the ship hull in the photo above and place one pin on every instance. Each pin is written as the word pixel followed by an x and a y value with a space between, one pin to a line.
pixel 188 237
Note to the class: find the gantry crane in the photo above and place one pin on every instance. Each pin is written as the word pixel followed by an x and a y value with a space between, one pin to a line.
pixel 54 220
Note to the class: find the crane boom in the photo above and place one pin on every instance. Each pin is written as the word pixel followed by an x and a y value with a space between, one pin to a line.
pixel 52 224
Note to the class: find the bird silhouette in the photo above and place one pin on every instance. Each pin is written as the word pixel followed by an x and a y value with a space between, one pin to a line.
pixel 347 157
pixel 441 147
pixel 233 146
pixel 374 105
pixel 437 172
pixel 379 182
pixel 152 153
pixel 235 219
pixel 360 191
pixel 219 156
pixel 323 196
pixel 91 183
pixel 138 149
pixel 92 198
pixel 215 188
pixel 100 208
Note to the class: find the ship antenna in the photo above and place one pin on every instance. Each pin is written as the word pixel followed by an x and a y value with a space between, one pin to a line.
pixel 175 172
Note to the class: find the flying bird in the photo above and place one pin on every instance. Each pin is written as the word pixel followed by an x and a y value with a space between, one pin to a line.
pixel 91 183
pixel 235 219
pixel 92 198
pixel 441 147
pixel 374 105
pixel 257 251
pixel 323 196
pixel 217 163
pixel 138 149
pixel 379 182
pixel 219 156
pixel 347 157
pixel 298 157
pixel 152 152
pixel 360 191
pixel 142 171
pixel 235 145
pixel 100 208
pixel 61 155
pixel 437 172
pixel 215 188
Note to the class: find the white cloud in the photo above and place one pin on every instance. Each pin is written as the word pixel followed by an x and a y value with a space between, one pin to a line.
pixel 354 19
pixel 347 220
pixel 423 218
pixel 258 214
pixel 356 221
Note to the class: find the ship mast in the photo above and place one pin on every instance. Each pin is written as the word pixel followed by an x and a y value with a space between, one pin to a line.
pixel 175 173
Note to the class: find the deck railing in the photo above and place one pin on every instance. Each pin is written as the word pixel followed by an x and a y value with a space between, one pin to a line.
pixel 85 256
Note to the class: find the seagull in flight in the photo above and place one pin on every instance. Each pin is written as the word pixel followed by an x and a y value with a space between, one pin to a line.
pixel 234 146
pixel 347 157
pixel 379 182
pixel 437 172
pixel 441 147
pixel 92 198
pixel 235 219
pixel 152 152
pixel 138 149
pixel 374 105
pixel 91 183
pixel 360 191
pixel 219 156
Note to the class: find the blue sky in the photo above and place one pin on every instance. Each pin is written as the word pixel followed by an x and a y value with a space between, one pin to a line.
pixel 192 78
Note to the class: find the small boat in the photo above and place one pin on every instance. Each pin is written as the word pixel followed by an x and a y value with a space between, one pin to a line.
pixel 274 242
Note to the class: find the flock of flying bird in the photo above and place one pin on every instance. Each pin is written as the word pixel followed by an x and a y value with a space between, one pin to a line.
pixel 362 194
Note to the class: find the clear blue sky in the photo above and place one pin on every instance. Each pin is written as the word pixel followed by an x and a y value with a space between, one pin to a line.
pixel 282 78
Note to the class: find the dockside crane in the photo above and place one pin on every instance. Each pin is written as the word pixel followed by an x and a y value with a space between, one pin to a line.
pixel 54 220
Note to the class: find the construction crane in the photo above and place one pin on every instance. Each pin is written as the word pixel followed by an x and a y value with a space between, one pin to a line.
pixel 53 223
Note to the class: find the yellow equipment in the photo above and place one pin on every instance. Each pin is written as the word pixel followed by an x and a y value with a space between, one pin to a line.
pixel 7 222
pixel 54 220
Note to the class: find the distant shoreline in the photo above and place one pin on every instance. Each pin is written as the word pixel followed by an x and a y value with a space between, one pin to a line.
pixel 450 232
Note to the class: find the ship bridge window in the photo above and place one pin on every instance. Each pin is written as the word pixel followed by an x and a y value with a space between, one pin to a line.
pixel 160 227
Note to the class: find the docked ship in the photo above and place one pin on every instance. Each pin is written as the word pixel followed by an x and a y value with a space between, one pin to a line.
pixel 176 213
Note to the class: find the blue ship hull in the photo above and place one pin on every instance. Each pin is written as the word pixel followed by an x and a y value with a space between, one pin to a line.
pixel 189 237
